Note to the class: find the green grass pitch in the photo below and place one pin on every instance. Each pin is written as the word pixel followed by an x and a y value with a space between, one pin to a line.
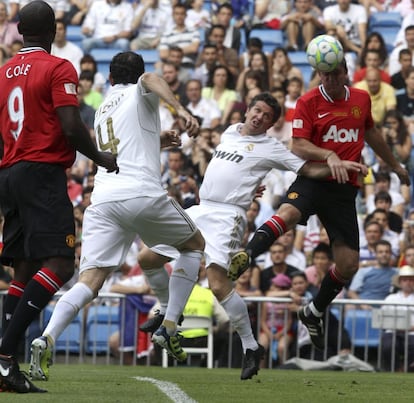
pixel 78 383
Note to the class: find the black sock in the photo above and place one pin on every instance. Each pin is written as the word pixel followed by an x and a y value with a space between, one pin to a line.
pixel 331 286
pixel 37 294
pixel 14 294
pixel 261 242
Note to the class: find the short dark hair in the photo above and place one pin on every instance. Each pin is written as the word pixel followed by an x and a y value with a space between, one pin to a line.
pixel 383 195
pixel 322 247
pixel 87 75
pixel 36 19
pixel 126 68
pixel 270 100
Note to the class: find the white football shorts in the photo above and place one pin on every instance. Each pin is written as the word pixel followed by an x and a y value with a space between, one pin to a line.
pixel 222 226
pixel 110 228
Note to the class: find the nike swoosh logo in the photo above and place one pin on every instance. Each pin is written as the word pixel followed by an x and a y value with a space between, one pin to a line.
pixel 321 115
pixel 4 372
pixel 30 303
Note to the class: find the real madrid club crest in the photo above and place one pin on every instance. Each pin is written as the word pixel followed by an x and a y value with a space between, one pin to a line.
pixel 249 147
pixel 356 112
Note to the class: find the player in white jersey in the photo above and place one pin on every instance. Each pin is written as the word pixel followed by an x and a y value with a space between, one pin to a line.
pixel 239 164
pixel 128 125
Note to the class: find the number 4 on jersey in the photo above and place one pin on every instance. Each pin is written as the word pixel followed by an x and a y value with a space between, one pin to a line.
pixel 112 142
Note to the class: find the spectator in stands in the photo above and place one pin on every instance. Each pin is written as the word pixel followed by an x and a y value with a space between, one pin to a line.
pixel 8 30
pixel 89 63
pixel 258 63
pixel 279 266
pixel 175 56
pixel 374 282
pixel 201 152
pixel 227 57
pixel 374 41
pixel 394 341
pixel 224 17
pixel 395 132
pixel 382 94
pixel 282 69
pixel 293 92
pixel 276 322
pixel 383 183
pixel 248 80
pixel 407 241
pixel 107 25
pixel 294 256
pixel 208 60
pixel 373 232
pixel 381 216
pixel 383 201
pixel 61 47
pixel 179 35
pixel 282 130
pixel 350 21
pixel 175 164
pixel 77 12
pixel 372 58
pixel 301 24
pixel 207 109
pixel 197 16
pixel 268 13
pixel 394 64
pixel 322 261
pixel 405 101
pixel 3 56
pixel 253 45
pixel 150 20
pixel 91 97
pixel 58 6
pixel 170 75
pixel 220 88
pixel 406 22
pixel 398 80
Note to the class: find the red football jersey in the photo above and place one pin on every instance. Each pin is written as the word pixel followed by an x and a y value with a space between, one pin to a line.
pixel 33 85
pixel 335 125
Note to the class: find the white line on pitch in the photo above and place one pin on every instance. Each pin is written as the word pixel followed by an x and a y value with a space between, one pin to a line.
pixel 171 390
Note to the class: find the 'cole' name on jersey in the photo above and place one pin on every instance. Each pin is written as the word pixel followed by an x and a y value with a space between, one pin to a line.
pixel 19 70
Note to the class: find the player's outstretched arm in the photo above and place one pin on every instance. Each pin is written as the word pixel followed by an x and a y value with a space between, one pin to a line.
pixel 79 137
pixel 152 82
pixel 318 170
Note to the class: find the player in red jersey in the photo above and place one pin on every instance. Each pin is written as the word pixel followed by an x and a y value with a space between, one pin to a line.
pixel 40 131
pixel 331 123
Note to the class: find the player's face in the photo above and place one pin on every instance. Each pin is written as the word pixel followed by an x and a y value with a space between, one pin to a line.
pixel 259 118
pixel 334 82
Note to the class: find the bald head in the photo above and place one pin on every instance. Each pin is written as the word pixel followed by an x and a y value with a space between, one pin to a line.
pixel 36 19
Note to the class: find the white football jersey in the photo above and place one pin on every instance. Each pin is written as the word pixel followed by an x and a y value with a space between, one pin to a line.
pixel 128 125
pixel 239 165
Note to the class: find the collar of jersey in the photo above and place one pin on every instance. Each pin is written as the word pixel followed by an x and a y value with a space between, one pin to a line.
pixel 328 98
pixel 31 49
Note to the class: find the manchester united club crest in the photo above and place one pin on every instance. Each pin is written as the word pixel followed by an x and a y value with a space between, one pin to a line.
pixel 293 195
pixel 356 112
pixel 70 241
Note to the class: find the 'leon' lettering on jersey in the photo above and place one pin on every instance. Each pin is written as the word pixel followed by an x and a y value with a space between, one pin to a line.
pixel 338 125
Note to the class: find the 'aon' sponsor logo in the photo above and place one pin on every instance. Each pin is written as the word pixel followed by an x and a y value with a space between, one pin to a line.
pixel 341 135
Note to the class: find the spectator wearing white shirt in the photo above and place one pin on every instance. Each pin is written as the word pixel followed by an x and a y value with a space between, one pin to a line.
pixel 107 25
pixel 61 47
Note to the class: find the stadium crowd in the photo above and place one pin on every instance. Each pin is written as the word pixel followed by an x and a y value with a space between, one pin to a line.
pixel 215 66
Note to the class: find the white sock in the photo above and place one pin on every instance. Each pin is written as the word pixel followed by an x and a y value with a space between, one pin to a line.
pixel 158 280
pixel 239 317
pixel 182 280
pixel 66 309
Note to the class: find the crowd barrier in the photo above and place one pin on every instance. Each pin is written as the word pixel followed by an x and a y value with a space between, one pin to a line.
pixel 86 339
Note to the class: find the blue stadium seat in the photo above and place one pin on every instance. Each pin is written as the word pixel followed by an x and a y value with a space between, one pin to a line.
pixel 150 56
pixel 71 338
pixel 271 38
pixel 102 321
pixel 298 58
pixel 74 34
pixel 389 34
pixel 103 59
pixel 384 19
pixel 358 324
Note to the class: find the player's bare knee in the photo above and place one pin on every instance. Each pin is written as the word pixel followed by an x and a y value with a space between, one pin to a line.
pixel 196 242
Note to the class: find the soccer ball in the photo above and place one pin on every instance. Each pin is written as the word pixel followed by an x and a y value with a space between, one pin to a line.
pixel 324 53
